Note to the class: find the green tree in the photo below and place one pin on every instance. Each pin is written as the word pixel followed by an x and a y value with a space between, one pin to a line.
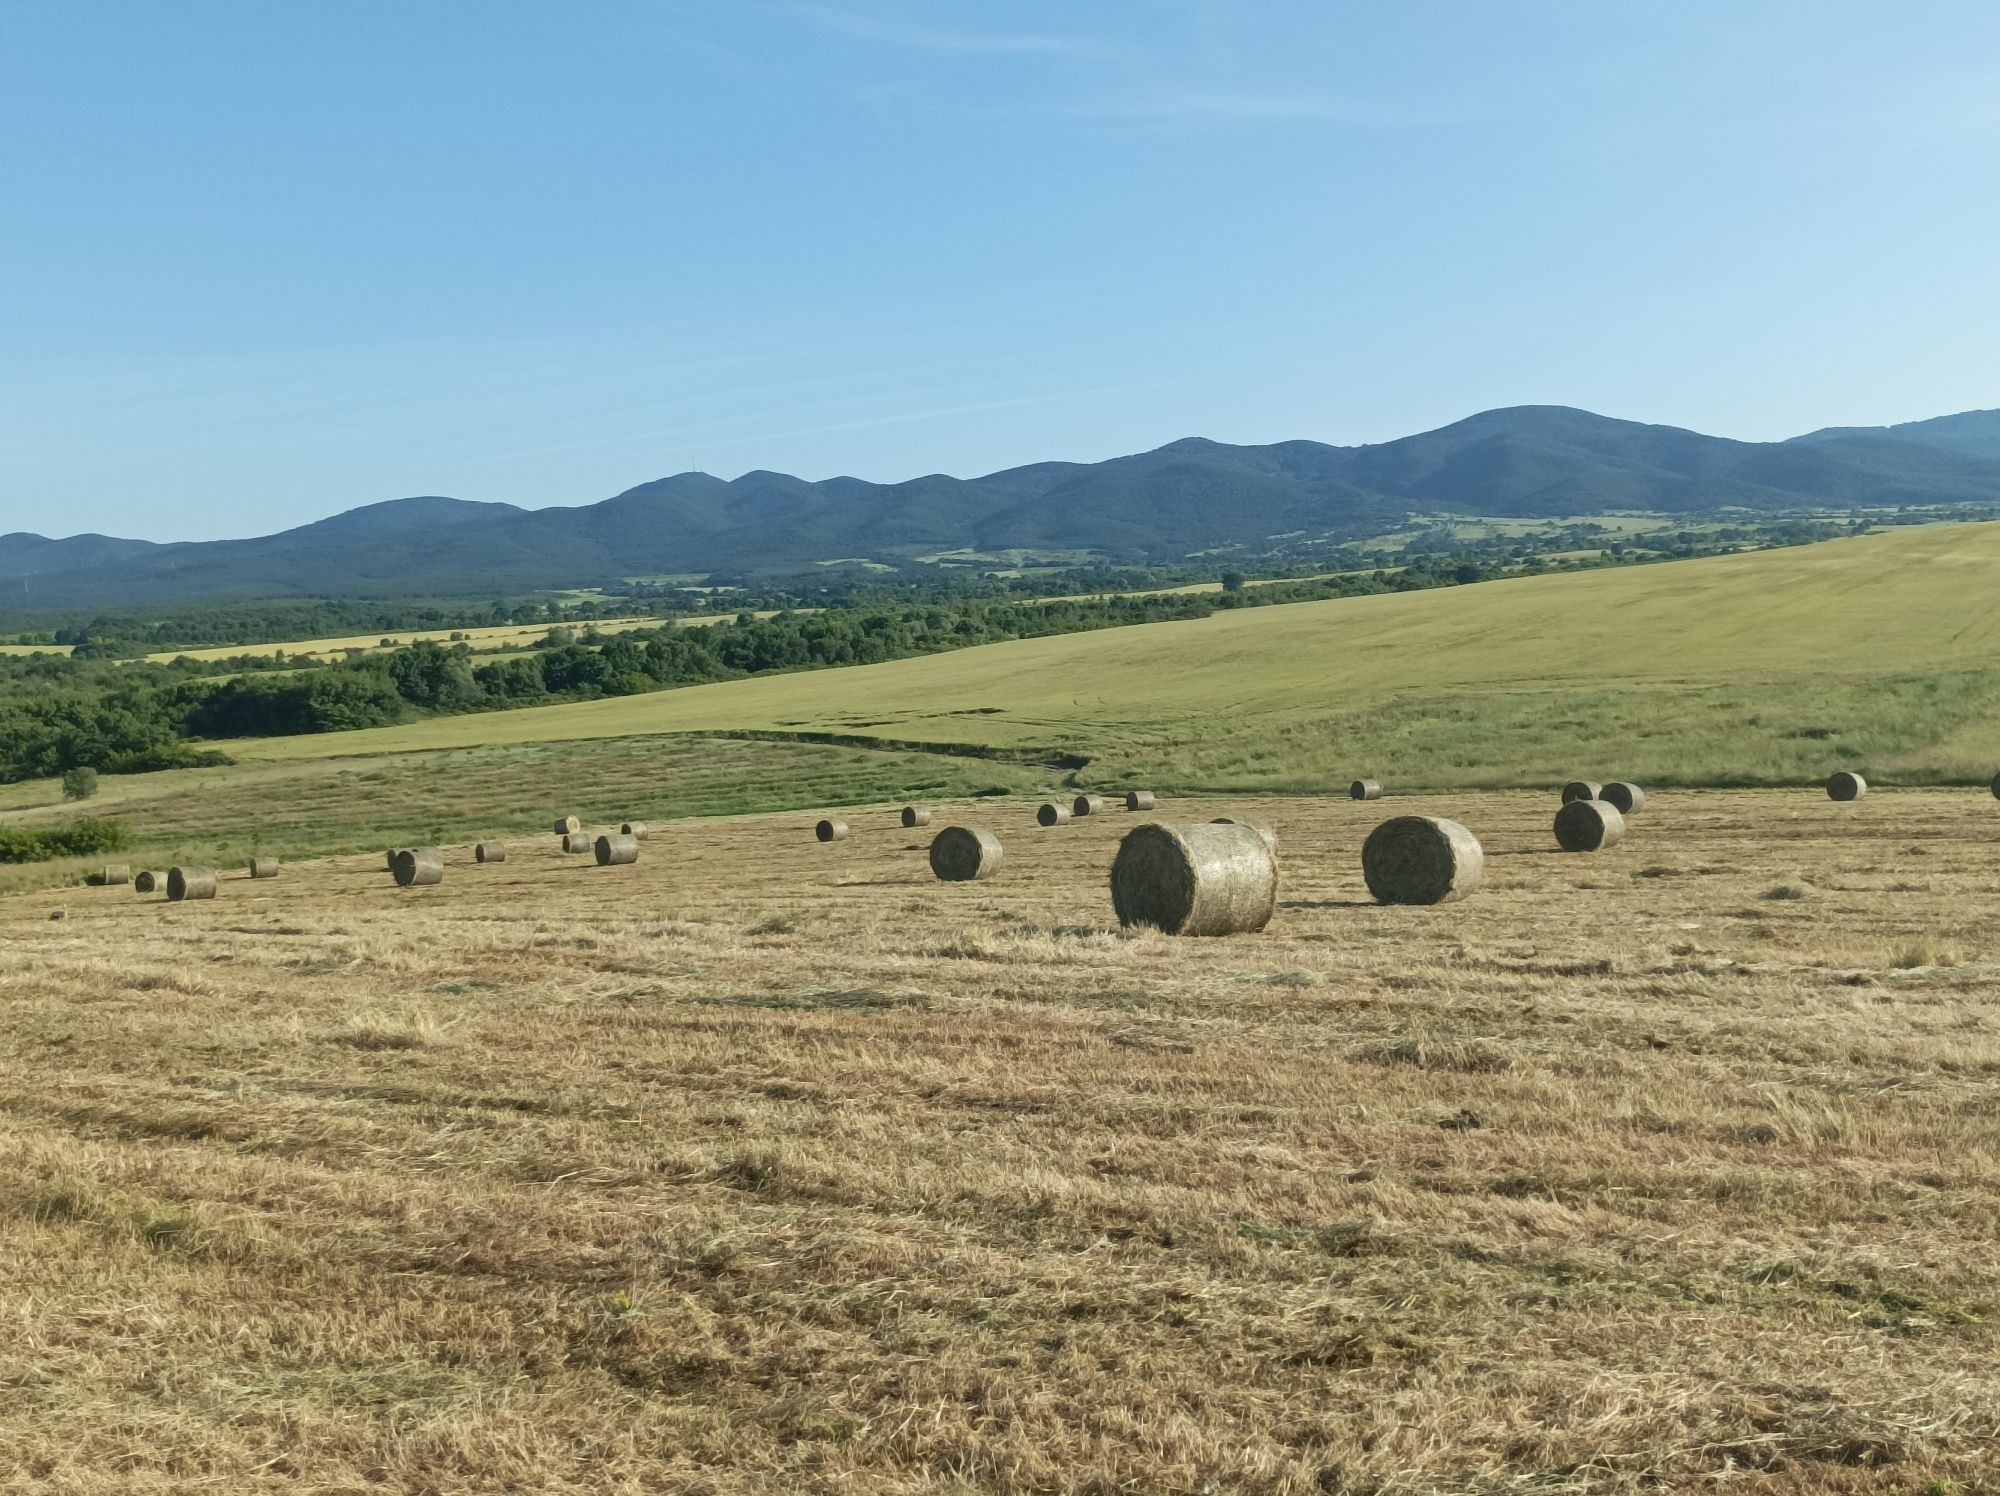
pixel 79 784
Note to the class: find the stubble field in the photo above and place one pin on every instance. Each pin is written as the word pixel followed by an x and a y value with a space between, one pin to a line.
pixel 766 1165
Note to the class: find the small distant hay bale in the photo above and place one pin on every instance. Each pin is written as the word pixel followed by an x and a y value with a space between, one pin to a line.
pixel 116 874
pixel 1364 789
pixel 832 829
pixel 1421 860
pixel 190 883
pixel 1215 879
pixel 263 867
pixel 1582 789
pixel 1263 828
pixel 963 854
pixel 490 852
pixel 576 841
pixel 1589 826
pixel 58 914
pixel 1093 805
pixel 1052 814
pixel 147 882
pixel 1140 800
pixel 419 867
pixel 1625 798
pixel 618 850
pixel 916 815
pixel 567 825
pixel 1846 786
pixel 637 830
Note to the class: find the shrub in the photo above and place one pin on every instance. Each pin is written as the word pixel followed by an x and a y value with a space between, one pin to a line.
pixel 79 783
pixel 88 837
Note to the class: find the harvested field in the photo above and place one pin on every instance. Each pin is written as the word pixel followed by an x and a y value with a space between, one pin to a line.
pixel 746 1171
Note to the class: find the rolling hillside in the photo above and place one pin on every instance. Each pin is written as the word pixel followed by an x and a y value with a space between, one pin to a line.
pixel 1188 496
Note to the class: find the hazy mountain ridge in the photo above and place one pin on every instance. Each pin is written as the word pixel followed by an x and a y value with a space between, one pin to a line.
pixel 1192 494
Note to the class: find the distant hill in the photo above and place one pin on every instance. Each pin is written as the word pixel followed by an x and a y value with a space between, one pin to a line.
pixel 1188 496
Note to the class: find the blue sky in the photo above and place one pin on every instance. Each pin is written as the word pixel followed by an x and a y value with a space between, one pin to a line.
pixel 264 262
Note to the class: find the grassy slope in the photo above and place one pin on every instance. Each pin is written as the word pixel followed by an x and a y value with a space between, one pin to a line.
pixel 1769 667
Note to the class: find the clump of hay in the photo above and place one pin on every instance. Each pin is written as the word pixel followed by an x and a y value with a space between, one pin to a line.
pixel 567 824
pixel 1625 797
pixel 576 841
pixel 1364 789
pixel 1140 800
pixel 637 830
pixel 1214 879
pixel 1589 826
pixel 490 852
pixel 617 851
pixel 1263 828
pixel 963 854
pixel 1052 814
pixel 419 867
pixel 116 874
pixel 146 882
pixel 1582 789
pixel 263 867
pixel 832 829
pixel 1421 860
pixel 1846 786
pixel 916 815
pixel 190 883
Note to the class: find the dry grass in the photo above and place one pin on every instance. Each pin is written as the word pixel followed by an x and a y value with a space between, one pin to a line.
pixel 763 1166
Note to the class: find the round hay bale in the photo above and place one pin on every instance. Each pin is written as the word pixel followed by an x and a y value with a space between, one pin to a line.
pixel 116 874
pixel 1996 786
pixel 1581 789
pixel 58 914
pixel 637 830
pixel 145 882
pixel 1214 879
pixel 566 825
pixel 1263 828
pixel 1052 814
pixel 1364 789
pixel 490 852
pixel 1140 800
pixel 916 815
pixel 419 867
pixel 961 854
pixel 391 860
pixel 617 851
pixel 1093 805
pixel 576 841
pixel 1625 798
pixel 1846 786
pixel 1589 826
pixel 1421 860
pixel 833 828
pixel 190 883
pixel 263 867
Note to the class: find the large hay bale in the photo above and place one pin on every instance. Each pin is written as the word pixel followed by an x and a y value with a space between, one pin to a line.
pixel 116 874
pixel 1364 789
pixel 190 883
pixel 1214 879
pixel 1581 789
pixel 419 867
pixel 637 830
pixel 1052 814
pixel 146 882
pixel 1140 800
pixel 916 815
pixel 576 841
pixel 1589 826
pixel 617 851
pixel 1625 798
pixel 263 867
pixel 1093 805
pixel 1846 786
pixel 566 825
pixel 390 861
pixel 1996 786
pixel 490 852
pixel 961 854
pixel 1263 828
pixel 832 829
pixel 1421 860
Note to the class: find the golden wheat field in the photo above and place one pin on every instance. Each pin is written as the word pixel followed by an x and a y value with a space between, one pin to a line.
pixel 768 1165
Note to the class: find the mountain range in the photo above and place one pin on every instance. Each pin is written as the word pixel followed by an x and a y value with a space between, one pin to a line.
pixel 1188 496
